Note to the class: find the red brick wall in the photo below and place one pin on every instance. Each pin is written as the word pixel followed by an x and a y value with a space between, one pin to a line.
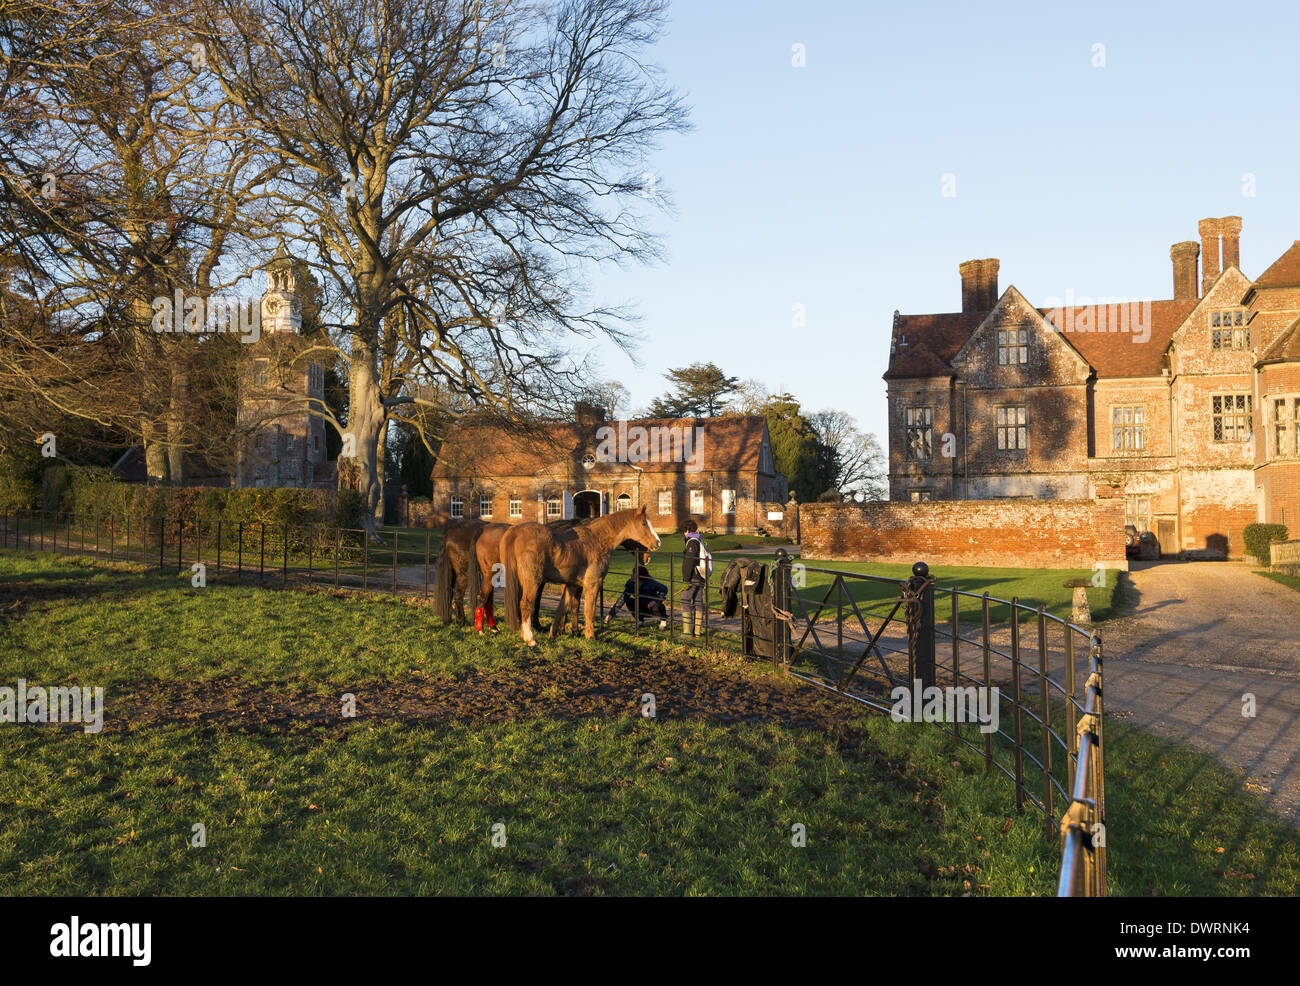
pixel 995 533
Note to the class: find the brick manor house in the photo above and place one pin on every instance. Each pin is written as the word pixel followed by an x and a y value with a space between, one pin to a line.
pixel 587 467
pixel 1188 408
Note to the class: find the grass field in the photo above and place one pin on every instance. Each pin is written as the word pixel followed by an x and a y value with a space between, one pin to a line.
pixel 223 710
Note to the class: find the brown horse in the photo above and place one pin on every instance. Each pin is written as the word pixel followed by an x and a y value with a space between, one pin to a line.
pixel 455 580
pixel 453 576
pixel 576 557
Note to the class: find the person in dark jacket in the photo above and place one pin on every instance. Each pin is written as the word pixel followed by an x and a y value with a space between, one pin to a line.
pixel 691 577
pixel 652 593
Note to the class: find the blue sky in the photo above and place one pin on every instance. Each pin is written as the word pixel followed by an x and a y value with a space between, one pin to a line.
pixel 822 185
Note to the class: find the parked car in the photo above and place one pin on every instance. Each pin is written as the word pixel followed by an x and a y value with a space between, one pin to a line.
pixel 1140 544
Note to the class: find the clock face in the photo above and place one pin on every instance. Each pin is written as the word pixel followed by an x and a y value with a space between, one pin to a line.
pixel 272 305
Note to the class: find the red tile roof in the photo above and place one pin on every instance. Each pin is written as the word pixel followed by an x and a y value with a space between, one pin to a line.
pixel 933 340
pixel 725 444
pixel 1120 353
pixel 1285 271
pixel 924 345
pixel 1286 346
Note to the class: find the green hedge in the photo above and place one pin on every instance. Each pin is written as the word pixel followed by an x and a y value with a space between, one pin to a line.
pixel 1259 536
pixel 20 479
pixel 96 493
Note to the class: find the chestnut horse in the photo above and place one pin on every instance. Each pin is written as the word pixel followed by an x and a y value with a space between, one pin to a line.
pixel 576 557
pixel 453 577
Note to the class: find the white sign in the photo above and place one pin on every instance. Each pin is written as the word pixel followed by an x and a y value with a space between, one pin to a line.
pixel 775 515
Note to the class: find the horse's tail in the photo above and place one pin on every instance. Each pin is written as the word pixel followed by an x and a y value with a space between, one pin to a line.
pixel 444 580
pixel 514 594
pixel 473 576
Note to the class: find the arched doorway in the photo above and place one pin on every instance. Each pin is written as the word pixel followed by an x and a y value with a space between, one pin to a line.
pixel 586 504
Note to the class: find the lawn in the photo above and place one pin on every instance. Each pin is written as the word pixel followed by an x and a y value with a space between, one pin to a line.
pixel 594 798
pixel 1290 581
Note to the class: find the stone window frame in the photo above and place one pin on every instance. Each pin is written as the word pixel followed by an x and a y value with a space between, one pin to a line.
pixel 729 503
pixel 515 505
pixel 1295 430
pixel 554 507
pixel 1230 419
pixel 457 507
pixel 261 373
pixel 1012 341
pixel 1236 328
pixel 920 494
pixel 1131 434
pixel 1006 428
pixel 696 494
pixel 665 510
pixel 1140 519
pixel 623 501
pixel 485 499
pixel 918 426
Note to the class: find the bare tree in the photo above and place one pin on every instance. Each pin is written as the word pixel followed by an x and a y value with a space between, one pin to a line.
pixel 862 471
pixel 454 166
pixel 121 178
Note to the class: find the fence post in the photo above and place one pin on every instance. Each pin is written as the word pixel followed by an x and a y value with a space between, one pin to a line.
pixel 218 545
pixel 239 572
pixel 1045 713
pixel 1015 701
pixel 261 557
pixel 672 597
pixel 284 533
pixel 180 543
pixel 394 589
pixel 162 541
pixel 781 592
pixel 921 582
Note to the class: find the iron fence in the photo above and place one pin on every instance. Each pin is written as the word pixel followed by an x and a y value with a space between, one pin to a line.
pixel 863 637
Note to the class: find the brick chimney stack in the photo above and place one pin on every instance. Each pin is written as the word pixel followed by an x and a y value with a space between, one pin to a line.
pixel 979 284
pixel 1184 255
pixel 1209 230
pixel 1230 227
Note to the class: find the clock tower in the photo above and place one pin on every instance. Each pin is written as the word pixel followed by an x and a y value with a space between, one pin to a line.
pixel 281 306
pixel 282 380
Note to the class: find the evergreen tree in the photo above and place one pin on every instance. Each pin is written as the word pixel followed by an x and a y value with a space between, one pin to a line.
pixel 699 391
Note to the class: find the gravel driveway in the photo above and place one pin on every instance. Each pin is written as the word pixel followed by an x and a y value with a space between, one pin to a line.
pixel 1194 638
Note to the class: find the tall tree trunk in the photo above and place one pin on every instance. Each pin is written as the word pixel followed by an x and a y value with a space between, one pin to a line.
pixel 366 426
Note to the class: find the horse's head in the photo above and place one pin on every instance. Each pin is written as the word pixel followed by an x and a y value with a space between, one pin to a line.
pixel 641 531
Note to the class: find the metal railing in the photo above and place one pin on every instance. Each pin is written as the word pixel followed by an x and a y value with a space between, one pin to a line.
pixel 860 636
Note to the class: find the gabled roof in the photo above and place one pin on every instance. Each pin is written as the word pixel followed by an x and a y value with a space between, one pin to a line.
pixel 730 444
pixel 934 340
pixel 1286 346
pixel 1285 271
